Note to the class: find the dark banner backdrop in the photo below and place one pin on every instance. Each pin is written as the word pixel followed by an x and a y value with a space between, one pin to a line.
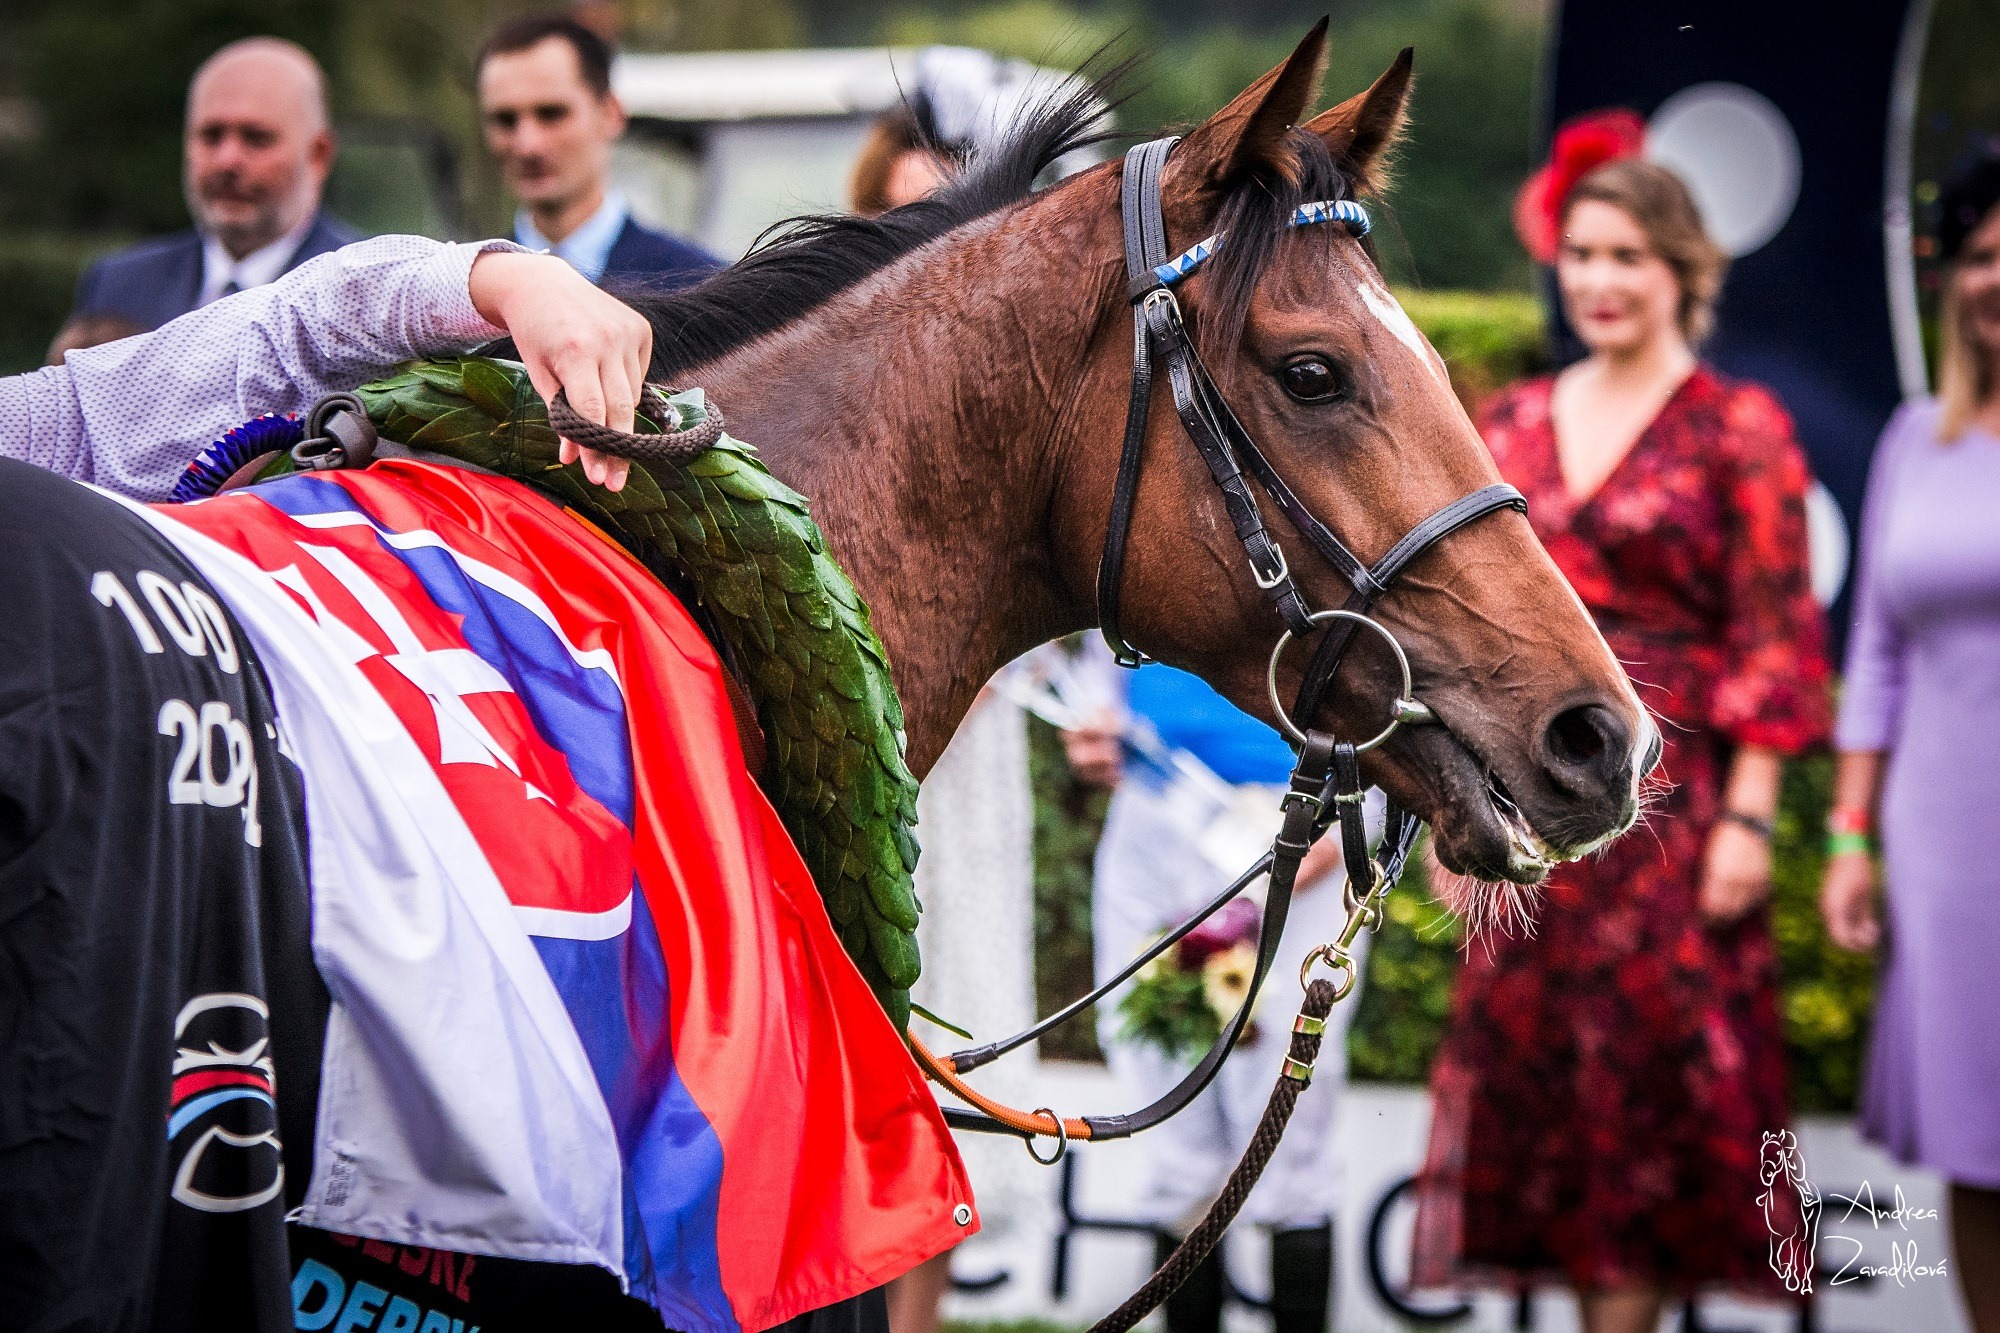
pixel 1791 121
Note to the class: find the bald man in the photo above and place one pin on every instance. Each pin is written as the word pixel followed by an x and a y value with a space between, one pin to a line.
pixel 257 151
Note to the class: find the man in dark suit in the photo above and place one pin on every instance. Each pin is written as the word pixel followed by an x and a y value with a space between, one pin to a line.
pixel 258 149
pixel 550 118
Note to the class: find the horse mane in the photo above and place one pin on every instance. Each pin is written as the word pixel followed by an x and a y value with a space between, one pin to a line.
pixel 801 263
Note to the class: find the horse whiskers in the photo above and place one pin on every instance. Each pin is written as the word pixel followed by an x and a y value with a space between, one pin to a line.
pixel 1654 789
pixel 1485 907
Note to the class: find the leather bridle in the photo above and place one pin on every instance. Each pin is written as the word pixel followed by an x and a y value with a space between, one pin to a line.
pixel 1326 783
pixel 1227 448
pixel 1230 452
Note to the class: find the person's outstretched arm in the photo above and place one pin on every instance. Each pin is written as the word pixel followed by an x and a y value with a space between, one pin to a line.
pixel 129 415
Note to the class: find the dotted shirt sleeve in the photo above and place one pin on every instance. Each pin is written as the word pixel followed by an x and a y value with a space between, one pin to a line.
pixel 129 415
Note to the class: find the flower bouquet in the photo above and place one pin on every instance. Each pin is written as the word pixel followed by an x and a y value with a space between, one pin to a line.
pixel 1181 999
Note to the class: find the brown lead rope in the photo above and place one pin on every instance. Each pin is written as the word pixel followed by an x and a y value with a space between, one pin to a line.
pixel 674 446
pixel 1308 1031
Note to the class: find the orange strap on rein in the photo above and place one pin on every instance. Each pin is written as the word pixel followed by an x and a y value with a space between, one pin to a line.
pixel 1046 1124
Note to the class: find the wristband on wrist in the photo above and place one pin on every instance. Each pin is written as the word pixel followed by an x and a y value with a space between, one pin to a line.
pixel 1758 826
pixel 1849 831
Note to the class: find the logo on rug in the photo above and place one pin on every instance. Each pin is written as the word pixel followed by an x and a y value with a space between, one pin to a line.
pixel 222 1120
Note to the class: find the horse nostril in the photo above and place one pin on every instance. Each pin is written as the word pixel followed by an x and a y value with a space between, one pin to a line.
pixel 1587 739
pixel 1574 737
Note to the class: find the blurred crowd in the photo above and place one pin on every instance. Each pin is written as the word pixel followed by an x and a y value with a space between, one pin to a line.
pixel 258 145
pixel 1613 1077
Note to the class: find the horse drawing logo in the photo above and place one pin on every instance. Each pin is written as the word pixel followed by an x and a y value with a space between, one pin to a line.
pixel 222 1120
pixel 1791 1207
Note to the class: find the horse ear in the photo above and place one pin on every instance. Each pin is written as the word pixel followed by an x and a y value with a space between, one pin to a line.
pixel 1245 137
pixel 1361 131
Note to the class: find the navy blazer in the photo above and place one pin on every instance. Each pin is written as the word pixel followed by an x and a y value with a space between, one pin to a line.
pixel 646 260
pixel 157 280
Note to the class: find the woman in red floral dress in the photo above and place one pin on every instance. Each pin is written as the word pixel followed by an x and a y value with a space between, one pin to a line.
pixel 1603 1092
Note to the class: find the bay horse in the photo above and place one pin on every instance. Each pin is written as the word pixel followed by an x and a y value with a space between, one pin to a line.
pixel 947 384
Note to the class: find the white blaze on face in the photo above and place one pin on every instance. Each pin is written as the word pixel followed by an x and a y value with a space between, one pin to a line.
pixel 1386 308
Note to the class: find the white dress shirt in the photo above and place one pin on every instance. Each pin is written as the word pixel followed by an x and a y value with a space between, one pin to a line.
pixel 129 415
pixel 219 269
pixel 588 248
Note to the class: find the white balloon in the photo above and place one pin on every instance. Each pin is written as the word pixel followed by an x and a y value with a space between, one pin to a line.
pixel 1738 155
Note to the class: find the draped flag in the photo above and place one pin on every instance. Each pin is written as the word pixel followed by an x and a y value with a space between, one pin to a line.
pixel 587 1004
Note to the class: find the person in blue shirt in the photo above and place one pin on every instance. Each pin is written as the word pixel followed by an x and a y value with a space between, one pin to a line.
pixel 550 118
pixel 1189 715
pixel 1155 867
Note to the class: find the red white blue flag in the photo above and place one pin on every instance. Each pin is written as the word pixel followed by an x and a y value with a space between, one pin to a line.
pixel 587 1004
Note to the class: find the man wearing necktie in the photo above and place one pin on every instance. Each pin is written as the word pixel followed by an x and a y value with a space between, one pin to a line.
pixel 550 118
pixel 257 151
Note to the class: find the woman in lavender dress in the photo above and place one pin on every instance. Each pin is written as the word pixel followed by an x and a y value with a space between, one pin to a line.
pixel 1918 737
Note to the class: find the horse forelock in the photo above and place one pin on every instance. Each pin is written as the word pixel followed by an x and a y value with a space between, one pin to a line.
pixel 1255 216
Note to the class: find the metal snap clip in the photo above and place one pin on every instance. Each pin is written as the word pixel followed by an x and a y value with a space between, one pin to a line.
pixel 1337 961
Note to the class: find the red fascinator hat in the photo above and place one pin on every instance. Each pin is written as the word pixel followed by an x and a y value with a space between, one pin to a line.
pixel 1581 147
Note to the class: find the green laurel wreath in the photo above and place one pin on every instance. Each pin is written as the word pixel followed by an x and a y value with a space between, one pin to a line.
pixel 789 613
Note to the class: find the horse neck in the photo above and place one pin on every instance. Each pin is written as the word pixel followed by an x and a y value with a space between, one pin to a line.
pixel 927 414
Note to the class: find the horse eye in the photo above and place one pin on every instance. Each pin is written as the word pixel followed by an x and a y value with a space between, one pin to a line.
pixel 1310 380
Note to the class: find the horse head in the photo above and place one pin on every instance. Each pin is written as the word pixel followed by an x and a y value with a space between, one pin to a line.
pixel 949 384
pixel 1541 742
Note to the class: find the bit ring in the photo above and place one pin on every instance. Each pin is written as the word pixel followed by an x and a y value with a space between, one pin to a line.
pixel 1406 707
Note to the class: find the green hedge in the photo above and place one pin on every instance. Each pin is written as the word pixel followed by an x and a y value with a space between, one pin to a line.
pixel 1826 994
pixel 1069 815
pixel 1488 340
pixel 38 275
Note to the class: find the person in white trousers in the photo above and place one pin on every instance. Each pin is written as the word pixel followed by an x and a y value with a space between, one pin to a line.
pixel 1156 867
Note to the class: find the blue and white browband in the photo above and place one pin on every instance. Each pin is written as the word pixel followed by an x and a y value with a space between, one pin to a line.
pixel 1344 211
